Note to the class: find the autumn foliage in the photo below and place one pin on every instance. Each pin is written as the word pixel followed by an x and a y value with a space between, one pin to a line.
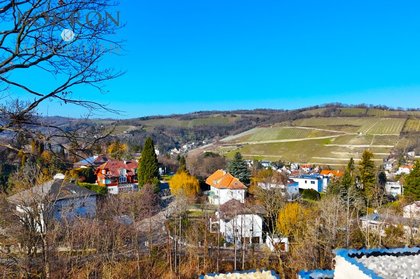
pixel 183 183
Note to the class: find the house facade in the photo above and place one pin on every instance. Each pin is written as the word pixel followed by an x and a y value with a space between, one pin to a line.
pixel 117 175
pixel 412 211
pixel 318 183
pixel 57 199
pixel 239 223
pixel 379 222
pixel 393 188
pixel 224 187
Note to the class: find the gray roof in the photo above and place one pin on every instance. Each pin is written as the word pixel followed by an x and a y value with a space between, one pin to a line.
pixel 57 189
pixel 390 219
pixel 234 207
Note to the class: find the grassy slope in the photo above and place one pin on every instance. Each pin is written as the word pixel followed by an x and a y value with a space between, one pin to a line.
pixel 345 137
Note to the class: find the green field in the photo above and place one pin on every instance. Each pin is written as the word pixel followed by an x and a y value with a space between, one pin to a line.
pixel 322 140
pixel 281 133
pixel 364 125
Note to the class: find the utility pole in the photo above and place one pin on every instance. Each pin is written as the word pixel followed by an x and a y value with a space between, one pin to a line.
pixel 234 241
pixel 348 219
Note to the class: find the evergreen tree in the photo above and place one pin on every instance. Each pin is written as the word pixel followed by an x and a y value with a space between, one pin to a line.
pixel 148 170
pixel 182 165
pixel 239 168
pixel 368 175
pixel 412 182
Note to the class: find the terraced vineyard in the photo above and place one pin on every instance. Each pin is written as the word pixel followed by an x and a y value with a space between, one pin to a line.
pixel 367 125
pixel 322 140
pixel 412 125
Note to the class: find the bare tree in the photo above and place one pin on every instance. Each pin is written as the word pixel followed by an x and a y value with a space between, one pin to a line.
pixel 62 42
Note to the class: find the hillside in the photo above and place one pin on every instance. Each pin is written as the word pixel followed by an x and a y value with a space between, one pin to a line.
pixel 327 140
pixel 328 134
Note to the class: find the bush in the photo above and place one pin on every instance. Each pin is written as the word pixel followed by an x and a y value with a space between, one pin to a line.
pixel 101 190
pixel 310 194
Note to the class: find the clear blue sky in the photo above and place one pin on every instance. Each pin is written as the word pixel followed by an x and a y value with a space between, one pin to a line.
pixel 189 55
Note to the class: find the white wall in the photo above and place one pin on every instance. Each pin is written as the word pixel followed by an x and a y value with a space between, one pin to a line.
pixel 346 270
pixel 222 196
pixel 243 225
pixel 307 183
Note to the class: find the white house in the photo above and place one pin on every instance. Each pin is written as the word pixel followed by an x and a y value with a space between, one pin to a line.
pixel 224 187
pixel 379 222
pixel 404 169
pixel 315 182
pixel 239 223
pixel 276 243
pixel 393 188
pixel 412 210
pixel 56 199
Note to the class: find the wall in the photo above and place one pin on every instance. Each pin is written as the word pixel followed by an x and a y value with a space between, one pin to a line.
pixel 346 270
pixel 225 195
pixel 243 225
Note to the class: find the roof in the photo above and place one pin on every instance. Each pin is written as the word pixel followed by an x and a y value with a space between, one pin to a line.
pixel 224 180
pixel 56 189
pixel 233 207
pixel 91 161
pixel 384 263
pixel 390 219
pixel 113 167
pixel 306 176
pixel 337 173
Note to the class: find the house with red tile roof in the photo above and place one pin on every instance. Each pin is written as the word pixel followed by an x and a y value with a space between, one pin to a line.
pixel 117 175
pixel 332 173
pixel 225 187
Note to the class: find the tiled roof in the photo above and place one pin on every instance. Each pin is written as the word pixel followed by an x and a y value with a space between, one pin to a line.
pixel 113 167
pixel 224 180
pixel 337 173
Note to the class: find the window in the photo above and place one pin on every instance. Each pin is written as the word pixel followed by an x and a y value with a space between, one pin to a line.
pixel 306 181
pixel 312 182
pixel 123 179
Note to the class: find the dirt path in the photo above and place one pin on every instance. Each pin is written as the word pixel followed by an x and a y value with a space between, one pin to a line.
pixel 283 140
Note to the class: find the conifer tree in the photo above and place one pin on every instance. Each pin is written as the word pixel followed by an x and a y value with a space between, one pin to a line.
pixel 148 169
pixel 182 165
pixel 239 169
pixel 412 182
pixel 368 175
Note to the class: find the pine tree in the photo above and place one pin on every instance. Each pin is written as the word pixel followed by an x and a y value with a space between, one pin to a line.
pixel 412 182
pixel 368 175
pixel 182 165
pixel 148 170
pixel 239 169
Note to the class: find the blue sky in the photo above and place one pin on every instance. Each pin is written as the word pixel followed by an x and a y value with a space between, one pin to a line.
pixel 189 55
